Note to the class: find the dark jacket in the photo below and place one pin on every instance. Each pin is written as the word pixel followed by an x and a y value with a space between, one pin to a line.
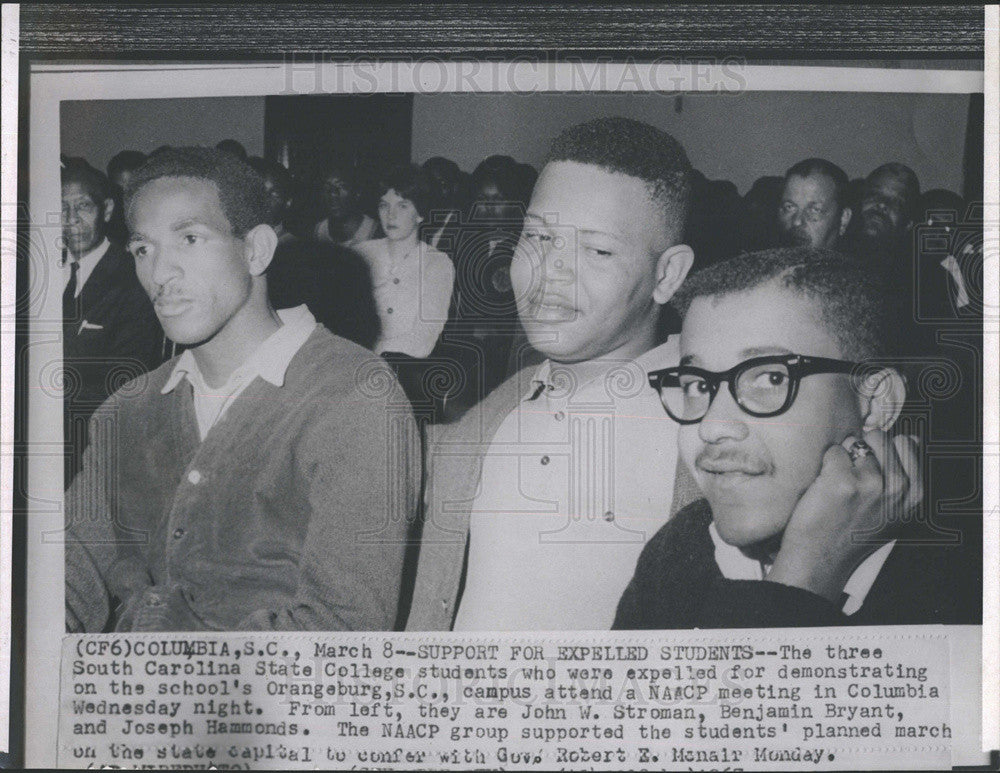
pixel 677 584
pixel 112 337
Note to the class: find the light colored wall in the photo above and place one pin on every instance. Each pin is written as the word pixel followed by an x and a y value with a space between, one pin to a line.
pixel 98 129
pixel 735 137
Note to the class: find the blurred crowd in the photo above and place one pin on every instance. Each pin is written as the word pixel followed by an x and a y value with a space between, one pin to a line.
pixel 534 314
pixel 447 322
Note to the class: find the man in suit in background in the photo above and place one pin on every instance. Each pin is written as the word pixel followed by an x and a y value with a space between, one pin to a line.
pixel 110 331
pixel 813 209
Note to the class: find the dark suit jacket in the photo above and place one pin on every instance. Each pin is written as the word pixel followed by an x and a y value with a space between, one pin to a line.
pixel 112 337
pixel 678 584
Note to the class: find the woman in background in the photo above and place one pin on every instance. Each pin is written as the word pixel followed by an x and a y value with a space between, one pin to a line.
pixel 413 282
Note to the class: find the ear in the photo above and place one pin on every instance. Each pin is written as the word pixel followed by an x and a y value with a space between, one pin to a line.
pixel 108 210
pixel 882 395
pixel 258 248
pixel 845 220
pixel 671 270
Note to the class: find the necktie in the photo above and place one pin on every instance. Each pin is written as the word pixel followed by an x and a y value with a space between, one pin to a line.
pixel 69 296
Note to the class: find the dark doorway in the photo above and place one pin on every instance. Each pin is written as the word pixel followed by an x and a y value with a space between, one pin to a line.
pixel 370 132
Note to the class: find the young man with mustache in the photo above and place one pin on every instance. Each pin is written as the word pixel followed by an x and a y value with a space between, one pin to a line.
pixel 540 499
pixel 233 488
pixel 786 407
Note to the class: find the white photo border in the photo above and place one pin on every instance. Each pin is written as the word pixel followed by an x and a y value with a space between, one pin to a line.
pixel 51 83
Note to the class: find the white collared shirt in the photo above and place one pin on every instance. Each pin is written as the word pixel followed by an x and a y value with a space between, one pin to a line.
pixel 269 361
pixel 736 565
pixel 574 483
pixel 412 294
pixel 87 263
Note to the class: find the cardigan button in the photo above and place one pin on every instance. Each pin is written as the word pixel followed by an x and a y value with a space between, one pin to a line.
pixel 194 477
pixel 178 533
pixel 609 516
pixel 545 460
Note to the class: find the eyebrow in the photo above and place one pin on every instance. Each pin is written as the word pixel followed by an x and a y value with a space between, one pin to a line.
pixel 187 222
pixel 539 220
pixel 745 354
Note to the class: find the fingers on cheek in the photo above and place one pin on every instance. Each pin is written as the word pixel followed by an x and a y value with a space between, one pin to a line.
pixel 836 461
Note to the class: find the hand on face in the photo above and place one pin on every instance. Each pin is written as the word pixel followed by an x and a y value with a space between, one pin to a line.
pixel 848 512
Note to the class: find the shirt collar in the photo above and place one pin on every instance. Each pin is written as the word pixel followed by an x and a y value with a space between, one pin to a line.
pixel 88 262
pixel 735 565
pixel 270 360
pixel 662 356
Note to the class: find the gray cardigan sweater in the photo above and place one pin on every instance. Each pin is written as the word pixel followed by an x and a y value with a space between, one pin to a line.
pixel 290 515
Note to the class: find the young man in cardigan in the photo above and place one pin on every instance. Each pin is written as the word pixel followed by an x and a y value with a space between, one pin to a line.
pixel 787 405
pixel 257 481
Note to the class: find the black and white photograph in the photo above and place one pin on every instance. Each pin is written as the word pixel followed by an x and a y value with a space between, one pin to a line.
pixel 428 372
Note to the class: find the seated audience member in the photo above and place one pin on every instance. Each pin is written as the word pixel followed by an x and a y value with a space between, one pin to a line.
pixel 880 234
pixel 759 223
pixel 950 282
pixel 333 282
pixel 120 169
pixel 557 478
pixel 110 333
pixel 344 223
pixel 235 490
pixel 485 310
pixel 413 282
pixel 808 511
pixel 713 226
pixel 278 186
pixel 948 317
pixel 234 148
pixel 813 210
pixel 122 166
pixel 447 206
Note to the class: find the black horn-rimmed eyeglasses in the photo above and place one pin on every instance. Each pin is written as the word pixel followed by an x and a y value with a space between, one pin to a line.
pixel 761 386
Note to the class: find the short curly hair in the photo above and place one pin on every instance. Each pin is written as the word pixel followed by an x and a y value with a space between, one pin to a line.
pixel 241 189
pixel 853 302
pixel 633 148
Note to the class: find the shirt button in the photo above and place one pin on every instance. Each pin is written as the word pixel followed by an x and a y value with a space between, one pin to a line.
pixel 545 460
pixel 389 310
pixel 178 533
pixel 609 516
pixel 194 477
pixel 559 416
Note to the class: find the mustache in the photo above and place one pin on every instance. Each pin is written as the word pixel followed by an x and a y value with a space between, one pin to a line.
pixel 732 461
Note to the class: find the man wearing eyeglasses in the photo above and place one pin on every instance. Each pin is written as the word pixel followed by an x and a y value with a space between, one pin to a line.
pixel 786 412
pixel 813 209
